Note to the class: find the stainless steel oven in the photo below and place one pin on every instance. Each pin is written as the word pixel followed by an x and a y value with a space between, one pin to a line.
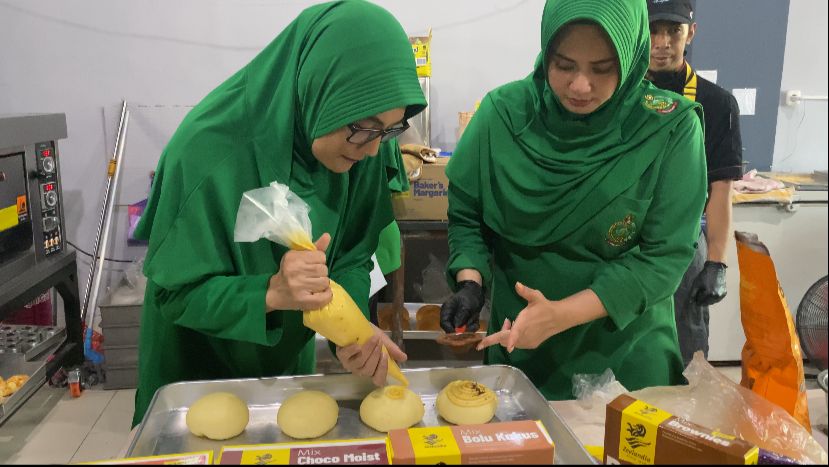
pixel 31 202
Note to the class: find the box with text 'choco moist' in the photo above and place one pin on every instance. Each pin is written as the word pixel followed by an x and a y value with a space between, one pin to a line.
pixel 521 442
pixel 638 433
pixel 369 451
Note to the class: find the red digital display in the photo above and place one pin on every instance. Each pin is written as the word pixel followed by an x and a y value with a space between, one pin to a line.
pixel 46 152
pixel 49 187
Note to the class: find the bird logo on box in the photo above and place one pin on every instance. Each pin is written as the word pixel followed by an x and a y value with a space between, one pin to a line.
pixel 637 432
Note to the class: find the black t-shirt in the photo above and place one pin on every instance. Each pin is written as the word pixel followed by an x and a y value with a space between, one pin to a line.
pixel 723 144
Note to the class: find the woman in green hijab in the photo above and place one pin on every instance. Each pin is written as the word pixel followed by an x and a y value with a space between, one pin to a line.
pixel 575 195
pixel 311 111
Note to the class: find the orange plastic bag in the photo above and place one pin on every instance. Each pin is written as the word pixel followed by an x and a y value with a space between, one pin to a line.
pixel 771 359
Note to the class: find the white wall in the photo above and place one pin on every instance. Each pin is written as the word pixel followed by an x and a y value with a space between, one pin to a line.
pixel 81 57
pixel 801 141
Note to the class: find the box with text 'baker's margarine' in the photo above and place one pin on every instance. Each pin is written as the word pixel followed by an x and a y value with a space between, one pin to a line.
pixel 428 195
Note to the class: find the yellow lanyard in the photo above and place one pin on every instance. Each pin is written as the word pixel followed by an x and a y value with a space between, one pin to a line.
pixel 690 90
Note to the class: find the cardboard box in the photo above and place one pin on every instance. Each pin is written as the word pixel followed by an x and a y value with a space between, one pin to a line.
pixel 522 442
pixel 369 451
pixel 639 433
pixel 428 195
pixel 190 458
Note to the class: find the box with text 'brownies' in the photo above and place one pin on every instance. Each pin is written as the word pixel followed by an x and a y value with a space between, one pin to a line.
pixel 639 433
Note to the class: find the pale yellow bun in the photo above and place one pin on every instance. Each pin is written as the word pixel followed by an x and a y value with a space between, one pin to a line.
pixel 391 408
pixel 219 416
pixel 464 402
pixel 308 414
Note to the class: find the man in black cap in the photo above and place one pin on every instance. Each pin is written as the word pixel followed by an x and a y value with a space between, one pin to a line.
pixel 673 28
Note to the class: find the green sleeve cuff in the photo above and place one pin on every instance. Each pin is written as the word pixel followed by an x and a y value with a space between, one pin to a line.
pixel 621 294
pixel 253 294
pixel 461 260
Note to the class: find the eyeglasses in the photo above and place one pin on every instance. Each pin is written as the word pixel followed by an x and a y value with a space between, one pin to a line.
pixel 360 135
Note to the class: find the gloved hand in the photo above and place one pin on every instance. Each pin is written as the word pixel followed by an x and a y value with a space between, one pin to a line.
pixel 463 308
pixel 709 286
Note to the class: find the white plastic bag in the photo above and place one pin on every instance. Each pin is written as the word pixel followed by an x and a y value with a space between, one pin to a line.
pixel 597 390
pixel 275 213
pixel 134 276
pixel 130 290
pixel 434 288
pixel 710 399
pixel 593 393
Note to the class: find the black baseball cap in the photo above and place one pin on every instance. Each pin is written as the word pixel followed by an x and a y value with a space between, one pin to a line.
pixel 678 11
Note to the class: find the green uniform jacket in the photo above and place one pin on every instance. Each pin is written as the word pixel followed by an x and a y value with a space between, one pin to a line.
pixel 205 319
pixel 204 313
pixel 635 280
pixel 562 203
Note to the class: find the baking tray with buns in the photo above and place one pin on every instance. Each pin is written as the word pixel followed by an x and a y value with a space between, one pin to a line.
pixel 164 429
pixel 420 321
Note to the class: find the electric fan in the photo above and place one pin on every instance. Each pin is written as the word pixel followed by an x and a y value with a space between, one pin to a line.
pixel 812 324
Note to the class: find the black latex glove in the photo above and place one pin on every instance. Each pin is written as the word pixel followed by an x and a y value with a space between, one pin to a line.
pixel 463 308
pixel 709 286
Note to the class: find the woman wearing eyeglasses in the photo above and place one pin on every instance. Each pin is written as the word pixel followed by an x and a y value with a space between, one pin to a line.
pixel 576 194
pixel 317 110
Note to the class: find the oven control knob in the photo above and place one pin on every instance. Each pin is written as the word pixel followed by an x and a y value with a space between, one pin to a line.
pixel 48 164
pixel 50 198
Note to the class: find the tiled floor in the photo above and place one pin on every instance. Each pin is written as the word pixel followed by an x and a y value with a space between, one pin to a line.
pixel 53 428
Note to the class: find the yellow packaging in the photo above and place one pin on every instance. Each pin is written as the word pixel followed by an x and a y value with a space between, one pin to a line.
pixel 8 217
pixel 372 451
pixel 643 423
pixel 189 458
pixel 421 46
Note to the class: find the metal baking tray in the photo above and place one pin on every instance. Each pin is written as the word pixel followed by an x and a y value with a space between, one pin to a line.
pixel 23 352
pixel 31 341
pixel 164 431
pixel 427 335
pixel 414 334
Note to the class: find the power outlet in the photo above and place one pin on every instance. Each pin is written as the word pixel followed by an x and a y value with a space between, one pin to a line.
pixel 793 97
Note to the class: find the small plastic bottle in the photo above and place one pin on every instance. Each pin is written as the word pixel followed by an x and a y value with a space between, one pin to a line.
pixel 74 380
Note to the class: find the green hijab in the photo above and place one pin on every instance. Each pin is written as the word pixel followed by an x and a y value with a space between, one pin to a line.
pixel 542 171
pixel 336 63
pixel 203 316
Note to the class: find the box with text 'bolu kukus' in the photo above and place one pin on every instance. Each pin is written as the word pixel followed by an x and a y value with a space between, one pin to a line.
pixel 522 442
pixel 638 433
pixel 428 195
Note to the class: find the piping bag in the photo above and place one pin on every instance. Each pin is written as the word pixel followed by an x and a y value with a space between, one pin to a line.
pixel 276 213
